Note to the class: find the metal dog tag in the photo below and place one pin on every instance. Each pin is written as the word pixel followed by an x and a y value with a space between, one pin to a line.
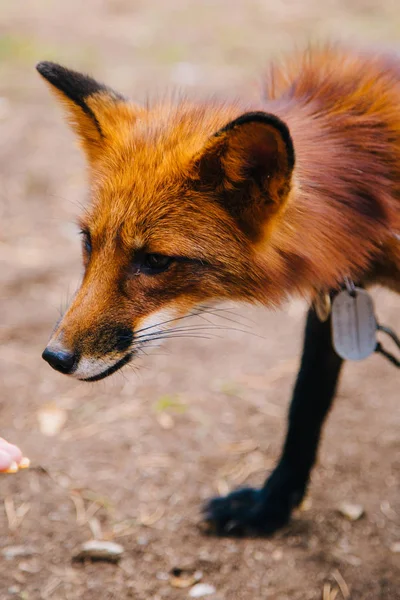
pixel 353 324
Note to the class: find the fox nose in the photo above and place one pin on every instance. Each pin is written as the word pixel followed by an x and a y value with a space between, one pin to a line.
pixel 61 360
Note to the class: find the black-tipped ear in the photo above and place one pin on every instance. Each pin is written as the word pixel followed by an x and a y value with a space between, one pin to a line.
pixel 89 103
pixel 250 163
pixel 74 86
pixel 272 122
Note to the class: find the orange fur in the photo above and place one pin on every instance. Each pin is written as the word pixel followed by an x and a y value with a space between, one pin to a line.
pixel 255 228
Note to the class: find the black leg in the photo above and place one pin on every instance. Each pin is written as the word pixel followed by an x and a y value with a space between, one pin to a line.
pixel 263 511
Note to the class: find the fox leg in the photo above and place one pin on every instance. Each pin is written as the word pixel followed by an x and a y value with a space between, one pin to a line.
pixel 263 511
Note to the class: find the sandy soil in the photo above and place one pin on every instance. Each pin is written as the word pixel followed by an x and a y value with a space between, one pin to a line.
pixel 134 458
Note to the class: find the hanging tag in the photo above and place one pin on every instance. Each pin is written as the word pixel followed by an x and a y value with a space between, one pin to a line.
pixel 353 324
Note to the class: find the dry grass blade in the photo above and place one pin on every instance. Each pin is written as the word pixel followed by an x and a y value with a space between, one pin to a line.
pixel 123 529
pixel 9 507
pixel 344 588
pixel 162 461
pixel 388 511
pixel 241 447
pixel 92 510
pixel 22 511
pixel 50 587
pixel 83 515
pixel 79 504
pixel 328 593
pixel 92 429
pixel 101 501
pixel 117 413
pixel 274 374
pixel 250 463
pixel 95 528
pixel 15 516
pixel 148 520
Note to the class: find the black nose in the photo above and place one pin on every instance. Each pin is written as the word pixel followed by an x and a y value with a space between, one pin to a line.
pixel 61 360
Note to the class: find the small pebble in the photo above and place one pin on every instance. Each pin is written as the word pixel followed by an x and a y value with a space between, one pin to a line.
pixel 353 512
pixel 97 550
pixel 142 540
pixel 14 589
pixel 31 567
pixel 17 552
pixel 202 589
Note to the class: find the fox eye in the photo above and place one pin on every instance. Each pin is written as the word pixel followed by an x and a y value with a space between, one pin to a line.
pixel 87 242
pixel 155 263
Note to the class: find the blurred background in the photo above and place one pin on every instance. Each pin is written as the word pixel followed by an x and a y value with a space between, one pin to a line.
pixel 133 458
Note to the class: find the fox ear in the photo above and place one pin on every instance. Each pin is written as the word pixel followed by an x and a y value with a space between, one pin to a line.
pixel 90 105
pixel 249 163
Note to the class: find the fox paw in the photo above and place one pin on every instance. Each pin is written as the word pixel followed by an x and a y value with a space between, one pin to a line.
pixel 245 512
pixel 259 512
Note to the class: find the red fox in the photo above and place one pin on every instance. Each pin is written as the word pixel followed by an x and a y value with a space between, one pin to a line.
pixel 195 203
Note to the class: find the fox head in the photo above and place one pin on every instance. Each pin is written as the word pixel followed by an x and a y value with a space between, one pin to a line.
pixel 183 200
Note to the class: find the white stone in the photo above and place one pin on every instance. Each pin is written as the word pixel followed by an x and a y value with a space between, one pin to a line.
pixel 351 511
pixel 202 589
pixel 100 550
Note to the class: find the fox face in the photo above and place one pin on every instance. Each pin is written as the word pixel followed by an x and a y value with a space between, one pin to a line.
pixel 182 200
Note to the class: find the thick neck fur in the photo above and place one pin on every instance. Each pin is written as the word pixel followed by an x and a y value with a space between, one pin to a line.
pixel 344 204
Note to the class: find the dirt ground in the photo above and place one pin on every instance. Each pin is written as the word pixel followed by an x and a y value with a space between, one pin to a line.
pixel 133 459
